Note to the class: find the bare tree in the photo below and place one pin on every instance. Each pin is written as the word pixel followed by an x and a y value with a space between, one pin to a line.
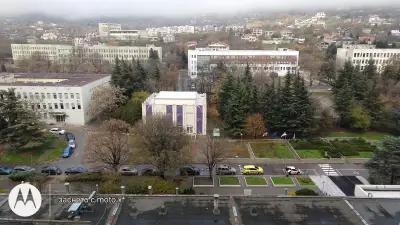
pixel 214 153
pixel 110 144
pixel 105 100
pixel 165 144
pixel 255 125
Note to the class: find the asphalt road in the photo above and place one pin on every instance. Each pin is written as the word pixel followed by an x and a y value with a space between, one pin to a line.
pixel 77 158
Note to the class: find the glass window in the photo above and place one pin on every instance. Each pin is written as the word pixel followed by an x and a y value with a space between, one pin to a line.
pixel 43 95
pixel 60 95
pixel 55 95
pixel 55 106
pixel 79 105
pixel 61 106
pixel 77 96
pixel 66 105
pixel 50 106
pixel 66 95
pixel 72 95
pixel 44 106
pixel 72 106
pixel 48 95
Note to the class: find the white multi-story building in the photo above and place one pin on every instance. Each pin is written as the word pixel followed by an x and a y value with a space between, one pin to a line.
pixel 60 53
pixel 249 37
pixel 124 34
pixel 62 98
pixel 280 61
pixel 359 55
pixel 186 109
pixel 105 28
pixel 168 38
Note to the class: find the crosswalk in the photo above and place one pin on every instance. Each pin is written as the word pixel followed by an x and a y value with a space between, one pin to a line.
pixel 328 170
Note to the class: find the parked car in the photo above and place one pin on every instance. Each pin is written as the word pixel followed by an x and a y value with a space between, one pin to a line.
pixel 252 170
pixel 56 130
pixel 23 169
pixel 72 144
pixel 5 170
pixel 291 170
pixel 69 136
pixel 51 170
pixel 75 170
pixel 189 171
pixel 148 172
pixel 67 152
pixel 225 170
pixel 128 171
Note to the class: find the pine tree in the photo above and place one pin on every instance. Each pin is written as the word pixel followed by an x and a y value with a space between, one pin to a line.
pixel 225 94
pixel 19 125
pixel 235 115
pixel 139 77
pixel 116 73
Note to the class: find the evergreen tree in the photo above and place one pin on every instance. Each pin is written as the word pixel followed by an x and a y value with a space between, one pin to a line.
pixel 225 93
pixel 139 77
pixel 19 125
pixel 116 73
pixel 235 115
pixel 305 111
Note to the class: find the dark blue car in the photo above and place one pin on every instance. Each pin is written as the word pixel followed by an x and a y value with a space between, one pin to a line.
pixel 67 152
pixel 5 170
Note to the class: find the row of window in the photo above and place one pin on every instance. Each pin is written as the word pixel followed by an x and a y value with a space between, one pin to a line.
pixel 42 95
pixel 379 55
pixel 51 106
pixel 376 61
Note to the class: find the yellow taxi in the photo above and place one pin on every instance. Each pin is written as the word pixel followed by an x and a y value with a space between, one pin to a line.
pixel 252 170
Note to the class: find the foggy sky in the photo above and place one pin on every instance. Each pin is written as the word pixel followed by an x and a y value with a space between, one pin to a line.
pixel 91 8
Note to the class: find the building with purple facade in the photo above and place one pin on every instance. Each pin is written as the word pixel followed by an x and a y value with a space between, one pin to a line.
pixel 186 109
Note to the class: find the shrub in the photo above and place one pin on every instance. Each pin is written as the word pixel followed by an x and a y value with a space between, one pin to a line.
pixel 306 192
pixel 85 177
pixel 28 177
pixel 188 191
pixel 110 187
pixel 310 144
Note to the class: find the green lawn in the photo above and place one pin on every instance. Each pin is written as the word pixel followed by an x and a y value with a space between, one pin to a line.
pixel 309 153
pixel 282 180
pixel 369 135
pixel 253 180
pixel 229 180
pixel 304 181
pixel 35 153
pixel 271 150
pixel 366 155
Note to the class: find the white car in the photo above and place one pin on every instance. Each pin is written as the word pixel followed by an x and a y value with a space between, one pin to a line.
pixel 56 130
pixel 291 170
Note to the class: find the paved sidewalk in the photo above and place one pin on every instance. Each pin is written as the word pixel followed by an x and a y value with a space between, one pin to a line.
pixel 326 185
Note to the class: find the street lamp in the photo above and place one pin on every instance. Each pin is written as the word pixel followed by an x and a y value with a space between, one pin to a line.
pixel 241 137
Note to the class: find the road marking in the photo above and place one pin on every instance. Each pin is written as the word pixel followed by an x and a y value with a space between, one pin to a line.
pixel 356 212
pixel 328 170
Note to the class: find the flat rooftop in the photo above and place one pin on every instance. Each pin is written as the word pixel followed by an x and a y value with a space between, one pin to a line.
pixel 198 210
pixel 48 79
pixel 176 95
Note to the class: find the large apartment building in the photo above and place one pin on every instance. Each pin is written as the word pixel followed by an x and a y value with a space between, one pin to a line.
pixel 62 98
pixel 281 62
pixel 105 28
pixel 60 53
pixel 361 54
